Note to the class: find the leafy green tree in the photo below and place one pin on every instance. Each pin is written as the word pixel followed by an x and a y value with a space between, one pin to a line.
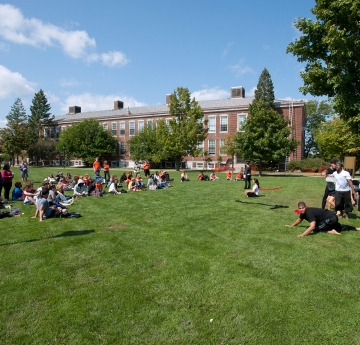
pixel 146 144
pixel 316 113
pixel 15 135
pixel 40 116
pixel 265 135
pixel 265 89
pixel 186 129
pixel 330 46
pixel 229 147
pixel 86 140
pixel 43 149
pixel 335 139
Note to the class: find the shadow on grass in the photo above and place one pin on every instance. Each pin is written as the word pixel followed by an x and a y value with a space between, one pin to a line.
pixel 63 234
pixel 273 207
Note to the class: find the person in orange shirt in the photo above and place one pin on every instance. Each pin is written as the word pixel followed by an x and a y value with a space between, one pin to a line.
pixel 146 167
pixel 238 177
pixel 229 175
pixel 106 171
pixel 96 166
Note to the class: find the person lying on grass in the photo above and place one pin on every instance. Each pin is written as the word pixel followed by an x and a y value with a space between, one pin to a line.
pixel 43 209
pixel 320 221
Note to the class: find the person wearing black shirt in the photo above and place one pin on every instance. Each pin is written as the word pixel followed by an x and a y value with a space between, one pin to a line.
pixel 320 220
pixel 247 176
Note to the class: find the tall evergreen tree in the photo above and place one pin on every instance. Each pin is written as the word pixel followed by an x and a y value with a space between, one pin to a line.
pixel 15 135
pixel 265 90
pixel 40 115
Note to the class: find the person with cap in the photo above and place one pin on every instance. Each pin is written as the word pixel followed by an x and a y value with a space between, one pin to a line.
pixel 320 221
pixel 344 191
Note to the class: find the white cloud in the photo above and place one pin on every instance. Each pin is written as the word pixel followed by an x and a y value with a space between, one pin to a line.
pixel 14 83
pixel 228 46
pixel 210 94
pixel 251 92
pixel 111 59
pixel 4 47
pixel 239 69
pixel 3 123
pixel 16 28
pixel 93 102
pixel 69 82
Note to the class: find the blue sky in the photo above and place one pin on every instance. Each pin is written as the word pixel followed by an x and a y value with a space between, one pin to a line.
pixel 90 53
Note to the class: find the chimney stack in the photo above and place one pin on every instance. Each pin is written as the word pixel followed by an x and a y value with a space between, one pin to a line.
pixel 118 105
pixel 237 92
pixel 74 110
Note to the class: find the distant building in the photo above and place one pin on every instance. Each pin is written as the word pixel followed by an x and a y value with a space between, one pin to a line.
pixel 225 116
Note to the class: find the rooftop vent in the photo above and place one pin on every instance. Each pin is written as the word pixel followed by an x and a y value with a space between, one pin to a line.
pixel 74 110
pixel 118 105
pixel 237 92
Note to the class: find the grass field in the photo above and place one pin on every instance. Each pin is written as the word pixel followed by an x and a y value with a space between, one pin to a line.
pixel 198 263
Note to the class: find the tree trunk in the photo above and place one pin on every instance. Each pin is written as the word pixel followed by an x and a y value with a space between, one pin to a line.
pixel 260 167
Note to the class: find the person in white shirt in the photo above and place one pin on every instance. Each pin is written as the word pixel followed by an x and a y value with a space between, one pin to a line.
pixel 344 191
pixel 254 192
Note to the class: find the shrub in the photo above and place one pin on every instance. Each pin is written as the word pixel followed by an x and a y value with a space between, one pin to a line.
pixel 310 164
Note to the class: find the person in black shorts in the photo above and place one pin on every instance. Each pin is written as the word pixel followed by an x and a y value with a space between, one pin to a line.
pixel 329 171
pixel 320 220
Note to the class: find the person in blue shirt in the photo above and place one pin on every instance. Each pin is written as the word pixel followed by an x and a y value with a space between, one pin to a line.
pixel 17 192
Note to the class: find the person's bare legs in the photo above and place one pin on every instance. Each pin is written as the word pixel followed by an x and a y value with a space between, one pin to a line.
pixel 333 232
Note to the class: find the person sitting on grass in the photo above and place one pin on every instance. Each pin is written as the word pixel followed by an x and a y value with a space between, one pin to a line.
pixel 60 196
pixel 43 209
pixel 229 176
pixel 80 189
pixel 238 177
pixel 320 221
pixel 30 194
pixel 113 187
pixel 254 192
pixel 184 177
pixel 202 177
pixel 50 179
pixel 151 184
pixel 17 192
pixel 123 177
pixel 139 182
pixel 52 198
pixel 213 177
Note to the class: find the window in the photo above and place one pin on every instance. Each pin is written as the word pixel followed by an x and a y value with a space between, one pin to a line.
pixel 121 148
pixel 46 132
pixel 57 132
pixel 211 147
pixel 52 132
pixel 140 126
pixel 212 124
pixel 168 124
pixel 63 128
pixel 114 128
pixel 223 123
pixel 122 128
pixel 222 151
pixel 105 126
pixel 241 120
pixel 131 128
pixel 150 123
pixel 200 146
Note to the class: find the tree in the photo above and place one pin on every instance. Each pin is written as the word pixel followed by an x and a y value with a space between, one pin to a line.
pixel 316 113
pixel 15 135
pixel 43 149
pixel 186 130
pixel 229 147
pixel 335 139
pixel 330 46
pixel 40 117
pixel 265 135
pixel 265 89
pixel 86 140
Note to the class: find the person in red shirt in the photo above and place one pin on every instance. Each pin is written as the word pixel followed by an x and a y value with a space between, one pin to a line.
pixel 146 167
pixel 96 166
pixel 7 177
pixel 229 175
pixel 106 171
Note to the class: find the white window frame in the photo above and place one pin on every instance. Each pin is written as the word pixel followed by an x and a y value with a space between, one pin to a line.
pixel 244 115
pixel 122 128
pixel 150 122
pixel 122 149
pixel 210 152
pixel 200 145
pixel 114 129
pixel 105 126
pixel 140 126
pixel 131 128
pixel 221 124
pixel 167 122
pixel 212 126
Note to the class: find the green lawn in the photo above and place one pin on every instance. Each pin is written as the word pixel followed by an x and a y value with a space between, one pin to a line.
pixel 198 263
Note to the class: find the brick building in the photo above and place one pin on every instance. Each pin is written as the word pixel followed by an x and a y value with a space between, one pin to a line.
pixel 224 116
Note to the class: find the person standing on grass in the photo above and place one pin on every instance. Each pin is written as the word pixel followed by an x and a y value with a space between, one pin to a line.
pixel 344 191
pixel 254 192
pixel 247 176
pixel 106 171
pixel 7 176
pixel 320 221
pixel 146 167
pixel 24 171
pixel 329 172
pixel 96 166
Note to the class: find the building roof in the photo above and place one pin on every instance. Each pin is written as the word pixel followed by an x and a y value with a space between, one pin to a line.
pixel 162 109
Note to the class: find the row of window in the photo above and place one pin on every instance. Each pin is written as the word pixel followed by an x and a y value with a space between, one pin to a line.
pixel 211 150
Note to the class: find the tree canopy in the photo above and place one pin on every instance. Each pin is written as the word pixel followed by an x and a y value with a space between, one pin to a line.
pixel 265 135
pixel 86 140
pixel 40 116
pixel 316 113
pixel 330 46
pixel 265 89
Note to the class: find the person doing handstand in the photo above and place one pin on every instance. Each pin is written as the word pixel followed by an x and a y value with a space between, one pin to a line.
pixel 320 221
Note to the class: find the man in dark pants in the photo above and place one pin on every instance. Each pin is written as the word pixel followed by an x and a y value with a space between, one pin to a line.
pixel 330 171
pixel 320 220
pixel 247 176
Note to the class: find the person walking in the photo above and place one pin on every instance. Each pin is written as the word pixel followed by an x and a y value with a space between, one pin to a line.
pixel 247 176
pixel 329 172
